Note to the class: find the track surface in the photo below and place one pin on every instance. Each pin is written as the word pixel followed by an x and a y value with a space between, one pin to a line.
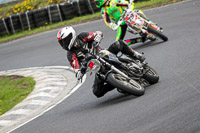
pixel 170 106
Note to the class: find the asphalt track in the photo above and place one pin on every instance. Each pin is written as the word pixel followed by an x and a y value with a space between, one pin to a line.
pixel 170 106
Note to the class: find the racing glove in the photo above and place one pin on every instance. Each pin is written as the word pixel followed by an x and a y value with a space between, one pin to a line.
pixel 98 38
pixel 114 26
pixel 79 75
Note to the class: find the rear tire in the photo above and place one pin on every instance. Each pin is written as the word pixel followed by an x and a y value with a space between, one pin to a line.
pixel 128 85
pixel 157 33
pixel 151 75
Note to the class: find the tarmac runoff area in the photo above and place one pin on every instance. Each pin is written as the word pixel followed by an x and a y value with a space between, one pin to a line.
pixel 53 85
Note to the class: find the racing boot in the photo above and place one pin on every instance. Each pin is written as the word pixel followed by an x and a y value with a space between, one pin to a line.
pixel 132 53
pixel 138 56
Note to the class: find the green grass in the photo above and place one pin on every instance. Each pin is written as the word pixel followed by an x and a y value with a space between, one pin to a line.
pixel 76 20
pixel 13 89
pixel 24 5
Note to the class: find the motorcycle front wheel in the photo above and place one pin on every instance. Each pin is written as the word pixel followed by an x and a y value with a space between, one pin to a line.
pixel 125 84
pixel 151 75
pixel 157 33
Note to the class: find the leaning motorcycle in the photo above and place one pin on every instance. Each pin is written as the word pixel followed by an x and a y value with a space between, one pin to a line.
pixel 128 75
pixel 138 24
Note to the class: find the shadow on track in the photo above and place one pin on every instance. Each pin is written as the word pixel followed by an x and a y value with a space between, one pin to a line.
pixel 146 44
pixel 98 104
pixel 116 99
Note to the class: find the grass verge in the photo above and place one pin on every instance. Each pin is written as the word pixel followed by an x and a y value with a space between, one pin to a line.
pixel 77 20
pixel 13 89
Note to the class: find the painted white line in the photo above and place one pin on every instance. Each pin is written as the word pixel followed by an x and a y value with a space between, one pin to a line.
pixel 71 92
pixel 49 88
pixel 40 94
pixel 51 83
pixel 20 111
pixel 35 68
pixel 38 102
pixel 5 122
pixel 51 80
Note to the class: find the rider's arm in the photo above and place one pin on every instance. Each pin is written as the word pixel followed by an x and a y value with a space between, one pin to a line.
pixel 107 19
pixel 92 38
pixel 88 36
pixel 73 60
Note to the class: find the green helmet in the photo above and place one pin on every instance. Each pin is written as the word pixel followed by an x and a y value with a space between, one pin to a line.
pixel 100 3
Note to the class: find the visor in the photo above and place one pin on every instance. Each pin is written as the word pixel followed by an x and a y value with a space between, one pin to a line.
pixel 66 41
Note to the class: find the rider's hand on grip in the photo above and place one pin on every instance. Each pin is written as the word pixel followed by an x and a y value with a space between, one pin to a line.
pixel 114 27
pixel 98 37
pixel 79 75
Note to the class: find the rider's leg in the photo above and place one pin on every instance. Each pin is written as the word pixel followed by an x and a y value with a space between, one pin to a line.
pixel 100 88
pixel 121 32
pixel 120 45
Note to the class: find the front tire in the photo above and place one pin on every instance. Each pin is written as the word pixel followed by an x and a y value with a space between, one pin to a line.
pixel 128 85
pixel 157 33
pixel 151 75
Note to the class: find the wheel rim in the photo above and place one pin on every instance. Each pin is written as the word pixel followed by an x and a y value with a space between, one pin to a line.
pixel 151 72
pixel 131 83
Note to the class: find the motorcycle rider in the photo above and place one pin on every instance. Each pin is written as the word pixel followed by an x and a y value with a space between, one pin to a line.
pixel 111 10
pixel 86 42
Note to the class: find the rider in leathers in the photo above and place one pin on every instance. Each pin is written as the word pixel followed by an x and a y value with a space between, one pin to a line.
pixel 111 11
pixel 78 46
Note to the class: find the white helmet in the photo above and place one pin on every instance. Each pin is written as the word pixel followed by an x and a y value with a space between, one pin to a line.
pixel 66 37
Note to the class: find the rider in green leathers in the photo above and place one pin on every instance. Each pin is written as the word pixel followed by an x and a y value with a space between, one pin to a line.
pixel 111 11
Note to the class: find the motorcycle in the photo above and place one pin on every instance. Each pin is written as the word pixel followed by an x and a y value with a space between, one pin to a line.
pixel 128 75
pixel 138 24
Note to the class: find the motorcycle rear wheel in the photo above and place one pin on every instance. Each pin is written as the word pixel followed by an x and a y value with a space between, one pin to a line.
pixel 157 33
pixel 128 85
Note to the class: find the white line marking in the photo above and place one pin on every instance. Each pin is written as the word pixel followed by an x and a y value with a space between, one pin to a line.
pixel 38 102
pixel 5 122
pixel 40 94
pixel 20 111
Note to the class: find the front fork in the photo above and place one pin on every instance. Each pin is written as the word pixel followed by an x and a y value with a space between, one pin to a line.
pixel 148 34
pixel 144 32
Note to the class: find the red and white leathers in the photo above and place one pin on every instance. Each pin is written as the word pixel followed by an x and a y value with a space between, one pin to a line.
pixel 85 44
pixel 85 41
